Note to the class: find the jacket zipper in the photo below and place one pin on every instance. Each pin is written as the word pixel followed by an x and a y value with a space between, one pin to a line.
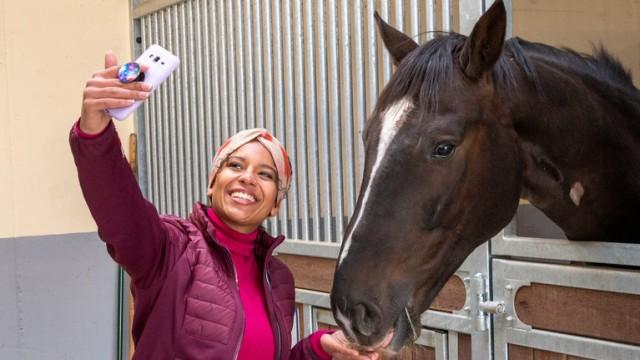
pixel 275 315
pixel 235 276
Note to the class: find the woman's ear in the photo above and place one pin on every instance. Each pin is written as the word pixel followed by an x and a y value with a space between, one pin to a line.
pixel 274 210
pixel 209 195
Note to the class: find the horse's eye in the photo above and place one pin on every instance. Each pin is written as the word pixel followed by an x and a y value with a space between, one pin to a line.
pixel 443 150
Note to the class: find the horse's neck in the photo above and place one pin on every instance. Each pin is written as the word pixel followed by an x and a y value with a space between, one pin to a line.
pixel 581 150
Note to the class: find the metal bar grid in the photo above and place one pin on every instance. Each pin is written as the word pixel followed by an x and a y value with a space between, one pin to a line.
pixel 309 72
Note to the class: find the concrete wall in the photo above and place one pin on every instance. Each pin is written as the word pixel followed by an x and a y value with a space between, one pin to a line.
pixel 57 283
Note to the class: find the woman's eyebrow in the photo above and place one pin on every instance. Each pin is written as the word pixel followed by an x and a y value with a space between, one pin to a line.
pixel 235 157
pixel 240 158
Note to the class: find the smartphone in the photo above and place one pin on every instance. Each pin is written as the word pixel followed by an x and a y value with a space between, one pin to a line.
pixel 161 64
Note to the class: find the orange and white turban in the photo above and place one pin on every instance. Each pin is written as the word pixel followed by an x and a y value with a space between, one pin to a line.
pixel 278 153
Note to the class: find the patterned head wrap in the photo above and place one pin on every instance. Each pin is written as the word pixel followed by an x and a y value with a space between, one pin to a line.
pixel 278 153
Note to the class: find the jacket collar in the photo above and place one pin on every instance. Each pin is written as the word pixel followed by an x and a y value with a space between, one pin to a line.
pixel 265 243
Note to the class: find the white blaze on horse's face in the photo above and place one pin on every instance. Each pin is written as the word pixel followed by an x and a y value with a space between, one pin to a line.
pixel 392 119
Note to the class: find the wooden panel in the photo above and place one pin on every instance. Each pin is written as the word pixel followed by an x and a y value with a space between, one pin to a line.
pixel 517 352
pixel 464 347
pixel 315 273
pixel 299 309
pixel 451 297
pixel 599 314
pixel 312 273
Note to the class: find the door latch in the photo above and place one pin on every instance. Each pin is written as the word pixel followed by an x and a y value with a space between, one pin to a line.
pixel 479 306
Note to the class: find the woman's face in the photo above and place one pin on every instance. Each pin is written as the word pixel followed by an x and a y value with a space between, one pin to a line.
pixel 245 188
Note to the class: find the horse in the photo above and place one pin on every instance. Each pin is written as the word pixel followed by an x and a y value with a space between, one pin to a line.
pixel 465 128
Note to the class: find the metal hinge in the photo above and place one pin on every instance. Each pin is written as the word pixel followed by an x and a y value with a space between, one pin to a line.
pixel 479 306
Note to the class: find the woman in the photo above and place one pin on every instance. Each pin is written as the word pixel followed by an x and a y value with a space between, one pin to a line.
pixel 207 287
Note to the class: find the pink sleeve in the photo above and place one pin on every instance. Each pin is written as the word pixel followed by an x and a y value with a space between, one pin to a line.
pixel 314 339
pixel 83 135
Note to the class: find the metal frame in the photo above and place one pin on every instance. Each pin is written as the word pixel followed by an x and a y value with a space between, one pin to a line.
pixel 507 243
pixel 510 275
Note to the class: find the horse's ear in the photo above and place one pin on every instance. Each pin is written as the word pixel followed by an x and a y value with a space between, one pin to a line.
pixel 483 47
pixel 397 43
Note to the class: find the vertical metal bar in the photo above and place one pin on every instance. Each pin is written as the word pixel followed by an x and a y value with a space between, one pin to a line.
pixel 193 105
pixel 250 92
pixel 360 109
pixel 157 131
pixel 312 117
pixel 267 70
pixel 446 15
pixel 208 96
pixel 372 56
pixel 268 81
pixel 325 160
pixel 184 70
pixel 301 111
pixel 144 29
pixel 217 79
pixel 470 11
pixel 179 86
pixel 291 117
pixel 414 11
pixel 259 83
pixel 399 15
pixel 199 122
pixel 386 57
pixel 240 59
pixel 346 124
pixel 431 19
pixel 231 45
pixel 176 207
pixel 164 120
pixel 224 88
pixel 279 96
pixel 508 4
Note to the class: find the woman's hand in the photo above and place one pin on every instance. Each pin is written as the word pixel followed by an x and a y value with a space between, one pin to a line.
pixel 104 91
pixel 337 346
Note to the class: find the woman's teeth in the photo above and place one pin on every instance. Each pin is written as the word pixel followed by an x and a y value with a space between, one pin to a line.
pixel 244 196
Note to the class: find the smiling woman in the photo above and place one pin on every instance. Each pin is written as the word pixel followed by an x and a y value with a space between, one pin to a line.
pixel 207 287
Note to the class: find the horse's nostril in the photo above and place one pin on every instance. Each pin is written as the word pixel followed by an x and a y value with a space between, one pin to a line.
pixel 366 319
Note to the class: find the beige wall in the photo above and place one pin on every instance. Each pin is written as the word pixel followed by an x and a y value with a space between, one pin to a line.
pixel 580 23
pixel 48 49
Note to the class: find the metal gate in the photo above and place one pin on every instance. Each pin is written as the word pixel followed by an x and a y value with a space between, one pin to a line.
pixel 310 72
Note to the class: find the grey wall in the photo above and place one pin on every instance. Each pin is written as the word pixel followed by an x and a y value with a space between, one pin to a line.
pixel 58 298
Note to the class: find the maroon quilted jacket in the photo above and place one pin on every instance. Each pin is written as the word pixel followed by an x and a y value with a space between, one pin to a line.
pixel 187 304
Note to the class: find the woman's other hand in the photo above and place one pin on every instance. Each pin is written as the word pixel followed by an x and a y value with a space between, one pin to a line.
pixel 104 91
pixel 337 345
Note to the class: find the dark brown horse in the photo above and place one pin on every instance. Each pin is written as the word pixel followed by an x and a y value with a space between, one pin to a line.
pixel 465 127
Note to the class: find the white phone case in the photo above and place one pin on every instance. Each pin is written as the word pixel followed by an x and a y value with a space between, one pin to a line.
pixel 161 64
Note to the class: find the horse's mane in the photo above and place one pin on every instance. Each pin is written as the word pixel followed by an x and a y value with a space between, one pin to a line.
pixel 600 65
pixel 429 68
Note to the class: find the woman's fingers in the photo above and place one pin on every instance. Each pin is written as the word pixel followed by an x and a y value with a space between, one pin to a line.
pixel 103 83
pixel 110 59
pixel 94 105
pixel 114 92
pixel 112 72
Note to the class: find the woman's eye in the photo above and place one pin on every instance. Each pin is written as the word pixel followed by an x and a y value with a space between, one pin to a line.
pixel 234 165
pixel 268 176
pixel 443 150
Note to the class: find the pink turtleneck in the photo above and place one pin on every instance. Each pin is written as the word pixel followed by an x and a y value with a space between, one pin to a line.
pixel 257 341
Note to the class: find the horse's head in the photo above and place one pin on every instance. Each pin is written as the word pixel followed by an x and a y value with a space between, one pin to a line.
pixel 441 176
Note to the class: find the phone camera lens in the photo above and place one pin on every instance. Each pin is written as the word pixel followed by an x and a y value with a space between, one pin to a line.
pixel 156 59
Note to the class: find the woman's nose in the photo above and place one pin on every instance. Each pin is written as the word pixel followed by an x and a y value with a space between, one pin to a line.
pixel 247 177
